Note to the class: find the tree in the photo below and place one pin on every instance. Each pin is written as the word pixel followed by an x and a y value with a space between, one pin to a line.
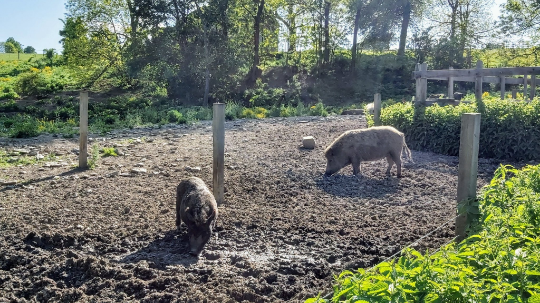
pixel 29 50
pixel 12 46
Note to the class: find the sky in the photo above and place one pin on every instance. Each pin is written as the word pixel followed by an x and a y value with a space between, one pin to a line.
pixel 32 22
pixel 36 22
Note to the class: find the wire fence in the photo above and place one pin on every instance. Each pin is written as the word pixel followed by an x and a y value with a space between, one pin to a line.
pixel 330 294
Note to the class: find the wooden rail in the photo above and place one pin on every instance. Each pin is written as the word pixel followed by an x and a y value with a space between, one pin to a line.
pixel 478 75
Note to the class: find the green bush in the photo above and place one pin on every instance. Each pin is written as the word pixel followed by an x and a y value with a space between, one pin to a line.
pixel 499 262
pixel 508 130
pixel 233 111
pixel 8 93
pixel 9 106
pixel 175 116
pixel 318 110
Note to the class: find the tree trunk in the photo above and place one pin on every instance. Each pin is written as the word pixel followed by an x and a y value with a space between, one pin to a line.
pixel 256 42
pixel 354 50
pixel 326 57
pixel 207 71
pixel 291 27
pixel 404 28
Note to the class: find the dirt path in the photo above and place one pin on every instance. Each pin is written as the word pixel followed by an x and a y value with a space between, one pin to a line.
pixel 108 235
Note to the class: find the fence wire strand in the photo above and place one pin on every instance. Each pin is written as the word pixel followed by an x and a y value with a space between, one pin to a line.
pixel 329 295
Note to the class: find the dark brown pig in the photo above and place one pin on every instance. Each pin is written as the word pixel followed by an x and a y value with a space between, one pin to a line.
pixel 197 207
pixel 370 144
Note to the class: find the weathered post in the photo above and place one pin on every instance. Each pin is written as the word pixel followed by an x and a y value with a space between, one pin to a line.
pixel 478 84
pixel 514 93
pixel 218 126
pixel 468 167
pixel 83 129
pixel 533 86
pixel 418 85
pixel 423 80
pixel 450 85
pixel 525 80
pixel 377 109
pixel 502 80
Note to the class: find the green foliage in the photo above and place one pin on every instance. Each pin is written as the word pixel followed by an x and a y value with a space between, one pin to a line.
pixel 15 159
pixel 94 156
pixel 109 151
pixel 175 116
pixel 318 110
pixel 233 110
pixel 508 129
pixel 500 262
pixel 29 50
pixel 36 82
pixel 9 106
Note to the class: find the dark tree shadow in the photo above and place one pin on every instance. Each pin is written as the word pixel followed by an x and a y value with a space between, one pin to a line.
pixel 362 186
pixel 70 172
pixel 171 249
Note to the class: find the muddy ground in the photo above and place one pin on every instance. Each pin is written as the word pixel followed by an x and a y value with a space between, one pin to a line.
pixel 108 234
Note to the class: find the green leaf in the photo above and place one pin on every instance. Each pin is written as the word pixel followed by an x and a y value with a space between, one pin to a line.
pixel 432 298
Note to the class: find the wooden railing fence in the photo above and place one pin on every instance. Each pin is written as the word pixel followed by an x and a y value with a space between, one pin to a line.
pixel 478 75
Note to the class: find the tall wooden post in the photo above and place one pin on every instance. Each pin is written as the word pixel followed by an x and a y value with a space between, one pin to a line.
pixel 503 86
pixel 377 109
pixel 533 86
pixel 83 129
pixel 478 86
pixel 418 85
pixel 525 77
pixel 218 126
pixel 450 85
pixel 423 93
pixel 468 166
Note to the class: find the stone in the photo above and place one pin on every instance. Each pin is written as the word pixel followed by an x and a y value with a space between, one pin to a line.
pixel 308 142
pixel 138 170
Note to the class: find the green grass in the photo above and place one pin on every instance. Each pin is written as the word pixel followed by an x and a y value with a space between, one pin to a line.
pixel 498 262
pixel 14 160
pixel 21 56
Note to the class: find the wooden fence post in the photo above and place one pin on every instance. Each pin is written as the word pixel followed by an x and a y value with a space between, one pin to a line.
pixel 450 85
pixel 218 127
pixel 514 93
pixel 478 86
pixel 83 129
pixel 418 85
pixel 468 166
pixel 533 86
pixel 377 109
pixel 525 77
pixel 503 86
pixel 423 93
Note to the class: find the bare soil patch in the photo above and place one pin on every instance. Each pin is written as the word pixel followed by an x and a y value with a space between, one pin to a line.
pixel 108 235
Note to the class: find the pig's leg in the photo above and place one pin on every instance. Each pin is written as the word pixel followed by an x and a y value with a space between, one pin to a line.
pixel 397 158
pixel 355 166
pixel 390 164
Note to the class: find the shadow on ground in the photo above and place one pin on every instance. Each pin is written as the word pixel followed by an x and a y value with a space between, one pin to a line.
pixel 361 186
pixel 169 249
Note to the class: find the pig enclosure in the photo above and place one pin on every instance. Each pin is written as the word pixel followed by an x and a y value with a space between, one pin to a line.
pixel 109 235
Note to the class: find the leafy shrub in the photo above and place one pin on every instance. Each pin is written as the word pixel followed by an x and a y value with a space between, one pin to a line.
pixel 8 93
pixel 287 111
pixel 233 111
pixel 9 106
pixel 318 110
pixel 500 262
pixel 24 128
pixel 247 113
pixel 175 116
pixel 508 129
pixel 109 151
pixel 38 82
